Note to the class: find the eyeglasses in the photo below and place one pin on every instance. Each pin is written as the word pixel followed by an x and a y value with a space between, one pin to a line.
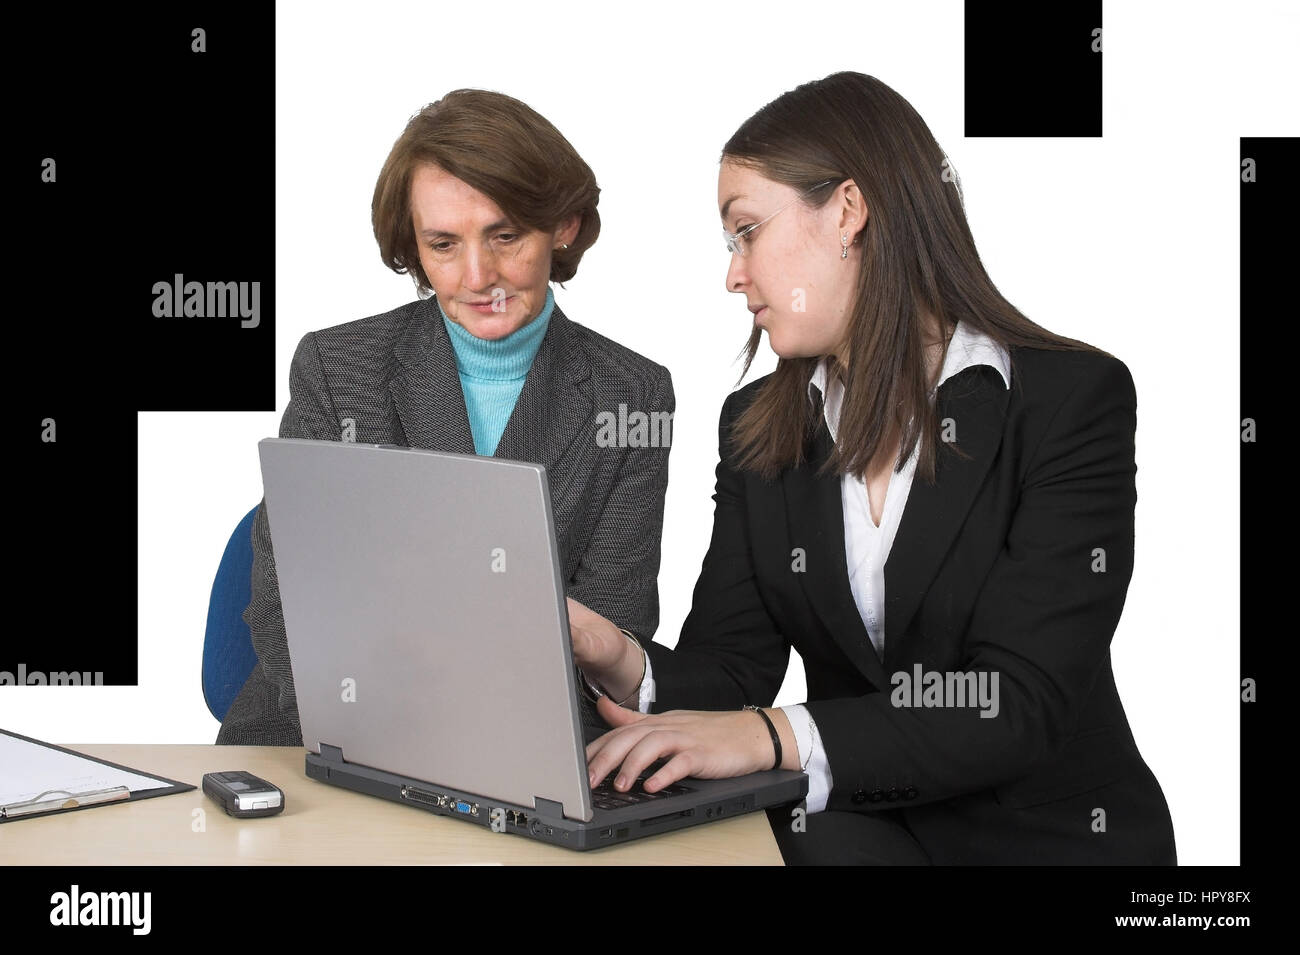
pixel 736 246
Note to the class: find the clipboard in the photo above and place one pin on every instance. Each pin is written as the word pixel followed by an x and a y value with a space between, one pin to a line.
pixel 99 797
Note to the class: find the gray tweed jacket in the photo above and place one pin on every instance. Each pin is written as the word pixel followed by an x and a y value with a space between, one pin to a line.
pixel 392 379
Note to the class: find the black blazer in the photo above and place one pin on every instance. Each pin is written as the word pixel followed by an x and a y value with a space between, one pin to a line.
pixel 392 379
pixel 994 568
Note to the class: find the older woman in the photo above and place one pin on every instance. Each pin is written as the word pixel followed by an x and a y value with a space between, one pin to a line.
pixel 931 499
pixel 484 203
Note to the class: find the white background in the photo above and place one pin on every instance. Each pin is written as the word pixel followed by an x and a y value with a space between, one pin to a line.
pixel 1129 242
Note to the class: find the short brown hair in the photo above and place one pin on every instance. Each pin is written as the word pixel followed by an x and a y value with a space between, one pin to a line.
pixel 505 150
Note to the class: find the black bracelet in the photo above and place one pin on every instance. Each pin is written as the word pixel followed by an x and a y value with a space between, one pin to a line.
pixel 776 739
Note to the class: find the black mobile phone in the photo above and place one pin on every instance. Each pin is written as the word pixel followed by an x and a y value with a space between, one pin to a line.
pixel 243 794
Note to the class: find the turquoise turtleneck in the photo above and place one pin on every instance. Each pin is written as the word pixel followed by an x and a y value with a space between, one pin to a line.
pixel 492 374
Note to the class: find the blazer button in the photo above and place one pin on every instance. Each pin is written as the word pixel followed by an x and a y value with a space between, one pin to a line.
pixel 859 797
pixel 877 795
pixel 909 792
pixel 892 795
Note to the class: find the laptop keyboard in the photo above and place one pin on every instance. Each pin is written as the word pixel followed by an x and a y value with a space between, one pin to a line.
pixel 605 796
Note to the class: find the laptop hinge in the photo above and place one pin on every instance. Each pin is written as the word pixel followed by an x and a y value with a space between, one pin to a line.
pixel 331 753
pixel 548 807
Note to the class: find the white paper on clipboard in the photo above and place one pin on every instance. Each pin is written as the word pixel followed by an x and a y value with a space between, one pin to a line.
pixel 28 769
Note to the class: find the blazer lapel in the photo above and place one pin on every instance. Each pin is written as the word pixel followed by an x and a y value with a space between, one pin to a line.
pixel 550 413
pixel 976 401
pixel 552 408
pixel 426 391
pixel 816 517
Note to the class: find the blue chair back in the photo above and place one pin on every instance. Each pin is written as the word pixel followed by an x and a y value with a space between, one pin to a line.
pixel 228 655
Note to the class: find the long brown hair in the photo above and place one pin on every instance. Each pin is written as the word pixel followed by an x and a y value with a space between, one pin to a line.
pixel 918 255
pixel 504 149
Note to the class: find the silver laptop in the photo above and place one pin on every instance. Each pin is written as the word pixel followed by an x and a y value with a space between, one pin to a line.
pixel 429 641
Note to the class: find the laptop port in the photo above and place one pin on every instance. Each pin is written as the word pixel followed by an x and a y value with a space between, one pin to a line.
pixel 466 809
pixel 666 817
pixel 423 796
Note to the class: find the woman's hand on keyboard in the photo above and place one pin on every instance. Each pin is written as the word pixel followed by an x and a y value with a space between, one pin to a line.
pixel 700 743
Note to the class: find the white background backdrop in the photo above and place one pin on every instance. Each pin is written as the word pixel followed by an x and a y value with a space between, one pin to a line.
pixel 1129 242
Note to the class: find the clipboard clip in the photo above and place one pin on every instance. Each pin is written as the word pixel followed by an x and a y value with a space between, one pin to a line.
pixel 68 800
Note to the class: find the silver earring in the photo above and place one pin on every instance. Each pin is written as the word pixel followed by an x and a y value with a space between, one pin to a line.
pixel 844 242
pixel 564 245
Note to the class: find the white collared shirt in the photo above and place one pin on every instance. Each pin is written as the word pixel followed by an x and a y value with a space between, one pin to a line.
pixel 866 544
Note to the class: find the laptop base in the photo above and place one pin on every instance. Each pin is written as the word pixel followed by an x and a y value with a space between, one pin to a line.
pixel 546 823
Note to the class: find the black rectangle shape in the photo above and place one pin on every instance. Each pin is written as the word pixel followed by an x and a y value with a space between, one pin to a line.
pixel 1033 69
pixel 165 166
pixel 1269 207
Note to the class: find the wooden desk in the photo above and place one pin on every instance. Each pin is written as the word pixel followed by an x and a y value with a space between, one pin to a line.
pixel 322 825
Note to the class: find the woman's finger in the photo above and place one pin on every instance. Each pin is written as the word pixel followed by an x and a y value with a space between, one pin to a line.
pixel 616 715
pixel 613 748
pixel 652 746
pixel 677 768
